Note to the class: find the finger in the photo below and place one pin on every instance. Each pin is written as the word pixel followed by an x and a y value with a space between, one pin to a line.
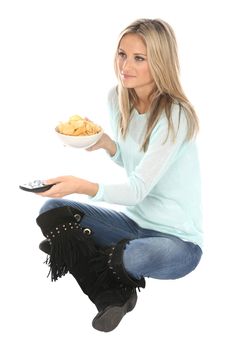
pixel 90 149
pixel 50 193
pixel 52 181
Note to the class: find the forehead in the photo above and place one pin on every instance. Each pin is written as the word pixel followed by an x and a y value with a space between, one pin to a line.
pixel 132 42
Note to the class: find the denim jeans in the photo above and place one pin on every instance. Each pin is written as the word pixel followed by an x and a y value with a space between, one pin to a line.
pixel 148 254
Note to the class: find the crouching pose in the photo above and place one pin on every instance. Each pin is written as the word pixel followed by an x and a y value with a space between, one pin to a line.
pixel 158 234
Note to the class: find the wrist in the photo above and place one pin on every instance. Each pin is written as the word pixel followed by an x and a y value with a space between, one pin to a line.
pixel 88 188
pixel 111 148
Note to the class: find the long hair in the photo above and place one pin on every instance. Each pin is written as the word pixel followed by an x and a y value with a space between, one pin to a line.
pixel 163 62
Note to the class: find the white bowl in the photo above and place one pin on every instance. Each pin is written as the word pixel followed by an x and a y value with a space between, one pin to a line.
pixel 79 141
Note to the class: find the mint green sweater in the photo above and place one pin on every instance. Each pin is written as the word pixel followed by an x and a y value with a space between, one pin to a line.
pixel 162 190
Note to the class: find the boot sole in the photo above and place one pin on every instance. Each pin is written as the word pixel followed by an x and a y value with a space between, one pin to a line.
pixel 109 318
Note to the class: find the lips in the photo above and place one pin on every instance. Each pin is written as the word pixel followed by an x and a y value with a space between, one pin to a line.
pixel 127 76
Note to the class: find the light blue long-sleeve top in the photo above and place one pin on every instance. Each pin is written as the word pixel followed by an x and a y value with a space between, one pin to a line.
pixel 162 190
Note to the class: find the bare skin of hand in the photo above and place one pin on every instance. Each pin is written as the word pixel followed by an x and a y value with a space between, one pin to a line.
pixel 105 142
pixel 65 185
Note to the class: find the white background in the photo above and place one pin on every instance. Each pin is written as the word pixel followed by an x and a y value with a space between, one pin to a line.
pixel 56 60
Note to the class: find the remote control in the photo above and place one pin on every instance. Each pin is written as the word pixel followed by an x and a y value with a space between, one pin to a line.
pixel 35 186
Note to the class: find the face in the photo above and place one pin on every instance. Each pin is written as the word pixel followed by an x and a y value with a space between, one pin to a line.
pixel 132 64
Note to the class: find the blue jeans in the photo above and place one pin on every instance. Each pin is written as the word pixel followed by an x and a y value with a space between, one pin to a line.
pixel 149 253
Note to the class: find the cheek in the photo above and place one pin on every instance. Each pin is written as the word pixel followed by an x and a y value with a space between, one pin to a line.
pixel 145 72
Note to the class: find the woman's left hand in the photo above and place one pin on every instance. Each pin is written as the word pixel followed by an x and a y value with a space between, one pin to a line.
pixel 65 185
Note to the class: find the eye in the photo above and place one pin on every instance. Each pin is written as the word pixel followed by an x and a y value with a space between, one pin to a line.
pixel 139 58
pixel 121 54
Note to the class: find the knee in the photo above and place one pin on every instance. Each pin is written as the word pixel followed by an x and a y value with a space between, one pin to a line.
pixel 135 257
pixel 51 204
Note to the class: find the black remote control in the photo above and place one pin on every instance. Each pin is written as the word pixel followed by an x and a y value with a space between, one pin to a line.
pixel 35 186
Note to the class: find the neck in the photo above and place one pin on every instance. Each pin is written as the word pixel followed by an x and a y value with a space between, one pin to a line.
pixel 143 100
pixel 141 108
pixel 143 104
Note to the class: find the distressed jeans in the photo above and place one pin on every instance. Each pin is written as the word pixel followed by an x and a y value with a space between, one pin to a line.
pixel 148 254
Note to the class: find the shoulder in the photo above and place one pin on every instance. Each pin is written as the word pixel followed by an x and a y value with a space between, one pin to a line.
pixel 172 126
pixel 177 117
pixel 178 113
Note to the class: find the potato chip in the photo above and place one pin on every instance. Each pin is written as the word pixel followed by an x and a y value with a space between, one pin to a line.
pixel 77 126
pixel 75 117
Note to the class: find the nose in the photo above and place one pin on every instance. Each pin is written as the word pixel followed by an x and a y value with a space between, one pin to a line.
pixel 126 65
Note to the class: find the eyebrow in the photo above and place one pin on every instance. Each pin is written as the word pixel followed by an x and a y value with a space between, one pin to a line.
pixel 140 54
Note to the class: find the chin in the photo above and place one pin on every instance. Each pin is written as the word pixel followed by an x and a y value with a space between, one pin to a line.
pixel 128 85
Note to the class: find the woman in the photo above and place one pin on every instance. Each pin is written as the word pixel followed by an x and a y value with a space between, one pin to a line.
pixel 158 234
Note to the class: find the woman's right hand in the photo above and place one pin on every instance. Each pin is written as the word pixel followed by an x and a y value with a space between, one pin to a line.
pixel 106 143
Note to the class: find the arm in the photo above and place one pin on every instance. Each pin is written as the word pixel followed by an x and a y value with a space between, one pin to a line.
pixel 110 146
pixel 155 162
pixel 105 143
pixel 65 185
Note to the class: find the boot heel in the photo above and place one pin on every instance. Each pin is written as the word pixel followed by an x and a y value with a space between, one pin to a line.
pixel 108 319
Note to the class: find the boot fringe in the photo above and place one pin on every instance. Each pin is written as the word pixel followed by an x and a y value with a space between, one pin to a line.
pixel 66 249
pixel 69 243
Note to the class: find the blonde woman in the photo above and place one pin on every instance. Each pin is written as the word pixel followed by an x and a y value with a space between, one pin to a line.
pixel 159 233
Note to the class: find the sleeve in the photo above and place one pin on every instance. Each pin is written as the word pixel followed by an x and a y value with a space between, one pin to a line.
pixel 113 109
pixel 154 164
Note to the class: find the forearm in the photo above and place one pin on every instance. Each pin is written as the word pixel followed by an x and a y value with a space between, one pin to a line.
pixel 113 151
pixel 105 143
pixel 65 185
pixel 111 148
pixel 87 187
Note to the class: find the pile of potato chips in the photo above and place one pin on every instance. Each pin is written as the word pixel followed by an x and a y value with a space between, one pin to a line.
pixel 77 126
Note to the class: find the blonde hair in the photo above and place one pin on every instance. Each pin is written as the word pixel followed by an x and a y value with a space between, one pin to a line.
pixel 163 62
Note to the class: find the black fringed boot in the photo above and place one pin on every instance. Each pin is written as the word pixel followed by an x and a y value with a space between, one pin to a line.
pixel 66 243
pixel 120 296
pixel 111 300
pixel 99 272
